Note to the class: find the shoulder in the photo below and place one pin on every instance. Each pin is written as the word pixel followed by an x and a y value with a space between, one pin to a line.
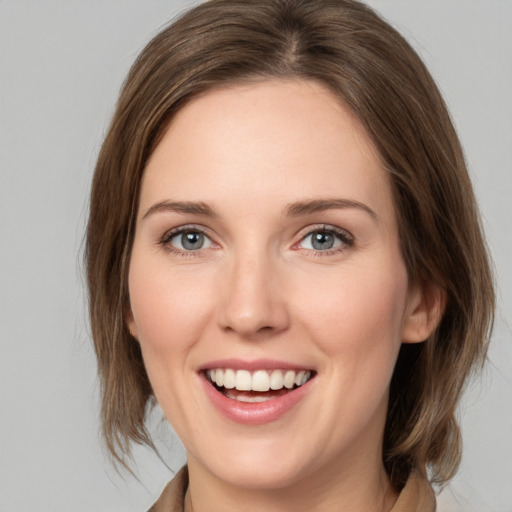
pixel 173 496
pixel 416 496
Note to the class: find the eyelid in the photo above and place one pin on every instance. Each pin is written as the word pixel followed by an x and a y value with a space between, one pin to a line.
pixel 170 233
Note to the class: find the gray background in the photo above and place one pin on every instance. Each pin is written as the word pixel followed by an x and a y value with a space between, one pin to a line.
pixel 62 63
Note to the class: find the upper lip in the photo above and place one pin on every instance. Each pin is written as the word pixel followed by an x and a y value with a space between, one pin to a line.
pixel 253 365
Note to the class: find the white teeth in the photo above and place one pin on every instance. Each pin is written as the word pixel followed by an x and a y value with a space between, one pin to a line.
pixel 243 380
pixel 289 379
pixel 229 379
pixel 247 398
pixel 276 379
pixel 260 380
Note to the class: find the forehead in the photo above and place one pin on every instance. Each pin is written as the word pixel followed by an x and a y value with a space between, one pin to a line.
pixel 265 110
pixel 274 139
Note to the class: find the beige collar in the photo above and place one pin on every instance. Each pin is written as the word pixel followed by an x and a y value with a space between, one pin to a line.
pixel 416 496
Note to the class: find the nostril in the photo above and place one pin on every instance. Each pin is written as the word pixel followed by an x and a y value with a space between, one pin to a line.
pixel 253 321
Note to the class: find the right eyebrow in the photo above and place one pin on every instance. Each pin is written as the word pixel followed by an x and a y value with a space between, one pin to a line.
pixel 197 208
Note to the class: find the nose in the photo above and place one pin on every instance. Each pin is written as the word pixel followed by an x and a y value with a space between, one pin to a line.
pixel 253 298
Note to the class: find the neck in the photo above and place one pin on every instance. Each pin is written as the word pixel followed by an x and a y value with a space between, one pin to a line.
pixel 361 486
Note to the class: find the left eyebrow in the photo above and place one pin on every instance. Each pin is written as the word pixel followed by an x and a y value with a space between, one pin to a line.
pixel 318 205
pixel 192 207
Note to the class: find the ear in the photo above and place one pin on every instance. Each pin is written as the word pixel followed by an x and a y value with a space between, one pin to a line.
pixel 130 323
pixel 425 308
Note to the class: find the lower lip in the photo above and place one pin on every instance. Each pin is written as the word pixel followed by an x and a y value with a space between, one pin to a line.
pixel 255 413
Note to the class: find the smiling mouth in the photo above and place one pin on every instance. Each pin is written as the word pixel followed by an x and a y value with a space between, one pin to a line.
pixel 257 386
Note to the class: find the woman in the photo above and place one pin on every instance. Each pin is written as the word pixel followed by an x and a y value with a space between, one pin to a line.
pixel 284 251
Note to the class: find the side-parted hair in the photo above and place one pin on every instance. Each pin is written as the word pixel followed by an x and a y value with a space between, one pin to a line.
pixel 368 65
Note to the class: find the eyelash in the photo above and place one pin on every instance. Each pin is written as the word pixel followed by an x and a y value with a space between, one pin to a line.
pixel 346 239
pixel 169 235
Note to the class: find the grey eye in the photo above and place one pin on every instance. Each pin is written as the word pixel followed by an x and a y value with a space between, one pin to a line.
pixel 190 241
pixel 321 240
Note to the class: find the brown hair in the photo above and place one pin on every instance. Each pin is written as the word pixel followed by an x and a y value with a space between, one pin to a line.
pixel 344 45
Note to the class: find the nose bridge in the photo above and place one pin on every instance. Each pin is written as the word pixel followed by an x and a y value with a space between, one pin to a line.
pixel 252 299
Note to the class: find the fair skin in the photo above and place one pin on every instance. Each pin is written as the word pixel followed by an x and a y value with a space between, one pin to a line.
pixel 266 242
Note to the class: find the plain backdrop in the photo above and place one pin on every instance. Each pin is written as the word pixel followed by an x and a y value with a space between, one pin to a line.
pixel 62 64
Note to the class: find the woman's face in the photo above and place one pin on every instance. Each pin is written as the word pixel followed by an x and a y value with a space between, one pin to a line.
pixel 266 254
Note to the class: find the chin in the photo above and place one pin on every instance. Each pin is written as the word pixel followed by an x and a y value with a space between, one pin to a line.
pixel 254 463
pixel 261 474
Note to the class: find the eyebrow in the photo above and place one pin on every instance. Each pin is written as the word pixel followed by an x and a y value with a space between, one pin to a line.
pixel 196 208
pixel 318 205
pixel 295 209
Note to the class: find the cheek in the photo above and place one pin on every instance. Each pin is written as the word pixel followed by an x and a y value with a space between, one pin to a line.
pixel 169 314
pixel 168 310
pixel 357 326
pixel 358 312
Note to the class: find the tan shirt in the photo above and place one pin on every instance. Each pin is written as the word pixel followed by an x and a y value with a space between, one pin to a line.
pixel 416 496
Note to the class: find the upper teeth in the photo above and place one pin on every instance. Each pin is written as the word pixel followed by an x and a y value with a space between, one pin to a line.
pixel 260 380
